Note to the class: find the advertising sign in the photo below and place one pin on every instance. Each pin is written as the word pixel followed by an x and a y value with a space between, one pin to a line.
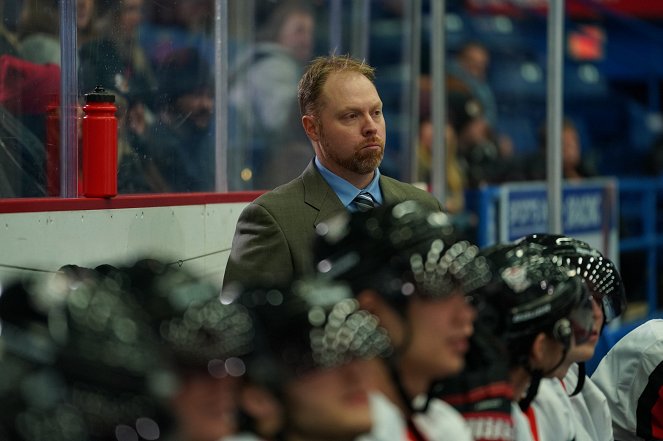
pixel 589 213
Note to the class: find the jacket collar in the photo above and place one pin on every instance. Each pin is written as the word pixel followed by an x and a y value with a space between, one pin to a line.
pixel 319 195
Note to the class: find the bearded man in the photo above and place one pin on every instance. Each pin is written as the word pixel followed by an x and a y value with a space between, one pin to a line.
pixel 342 117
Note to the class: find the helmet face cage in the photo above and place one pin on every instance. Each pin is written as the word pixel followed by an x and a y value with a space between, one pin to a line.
pixel 103 366
pixel 311 325
pixel 31 387
pixel 598 272
pixel 398 250
pixel 196 329
pixel 530 293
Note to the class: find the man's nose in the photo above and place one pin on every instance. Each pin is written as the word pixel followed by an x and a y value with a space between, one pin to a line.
pixel 370 127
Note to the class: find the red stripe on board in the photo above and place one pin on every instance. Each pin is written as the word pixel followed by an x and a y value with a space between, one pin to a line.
pixel 32 205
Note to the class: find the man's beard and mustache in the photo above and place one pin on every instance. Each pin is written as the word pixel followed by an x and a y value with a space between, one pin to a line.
pixel 363 161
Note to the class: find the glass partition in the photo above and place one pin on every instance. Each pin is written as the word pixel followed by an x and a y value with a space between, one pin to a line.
pixel 158 59
pixel 29 90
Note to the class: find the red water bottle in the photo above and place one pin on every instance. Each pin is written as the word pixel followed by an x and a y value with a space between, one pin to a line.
pixel 99 145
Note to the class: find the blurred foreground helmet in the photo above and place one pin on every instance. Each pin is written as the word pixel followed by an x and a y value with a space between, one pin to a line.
pixel 397 250
pixel 33 393
pixel 530 293
pixel 196 329
pixel 116 374
pixel 310 325
pixel 598 272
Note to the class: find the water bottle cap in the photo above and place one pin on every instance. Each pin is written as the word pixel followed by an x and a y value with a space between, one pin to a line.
pixel 99 95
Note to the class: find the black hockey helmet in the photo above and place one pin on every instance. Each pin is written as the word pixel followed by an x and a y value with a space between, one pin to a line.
pixel 33 394
pixel 90 368
pixel 529 293
pixel 598 272
pixel 116 372
pixel 196 329
pixel 311 324
pixel 397 250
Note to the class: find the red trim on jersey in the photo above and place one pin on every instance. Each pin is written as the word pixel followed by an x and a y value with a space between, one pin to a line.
pixel 501 389
pixel 562 383
pixel 657 416
pixel 531 417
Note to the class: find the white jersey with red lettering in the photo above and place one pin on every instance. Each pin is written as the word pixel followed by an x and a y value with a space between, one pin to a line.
pixel 441 422
pixel 631 376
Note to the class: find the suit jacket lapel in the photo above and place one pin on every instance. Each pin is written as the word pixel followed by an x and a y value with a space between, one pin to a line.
pixel 319 195
pixel 391 193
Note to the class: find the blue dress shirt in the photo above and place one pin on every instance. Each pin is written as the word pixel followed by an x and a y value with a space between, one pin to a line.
pixel 345 191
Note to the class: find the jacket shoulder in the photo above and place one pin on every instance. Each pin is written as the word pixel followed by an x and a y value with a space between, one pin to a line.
pixel 396 191
pixel 291 193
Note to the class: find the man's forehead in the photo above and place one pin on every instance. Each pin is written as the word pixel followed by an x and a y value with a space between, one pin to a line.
pixel 334 86
pixel 336 79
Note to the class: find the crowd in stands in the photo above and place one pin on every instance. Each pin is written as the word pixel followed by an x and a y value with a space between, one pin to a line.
pixel 130 48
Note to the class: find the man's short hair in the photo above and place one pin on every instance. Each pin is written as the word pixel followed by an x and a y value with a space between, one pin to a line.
pixel 316 75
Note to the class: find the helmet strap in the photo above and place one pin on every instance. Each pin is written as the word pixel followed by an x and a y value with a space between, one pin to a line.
pixel 398 383
pixel 581 379
pixel 532 389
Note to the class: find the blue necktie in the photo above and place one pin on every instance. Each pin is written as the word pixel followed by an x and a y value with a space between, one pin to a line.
pixel 363 202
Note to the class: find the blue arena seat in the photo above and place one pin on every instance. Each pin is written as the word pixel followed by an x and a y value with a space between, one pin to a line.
pixel 517 80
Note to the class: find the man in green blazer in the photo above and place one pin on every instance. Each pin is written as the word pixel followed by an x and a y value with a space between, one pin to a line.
pixel 342 116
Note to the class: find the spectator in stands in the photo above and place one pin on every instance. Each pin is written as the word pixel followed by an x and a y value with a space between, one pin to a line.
pixel 86 21
pixel 470 67
pixel 181 142
pixel 26 91
pixel 134 174
pixel 263 88
pixel 342 116
pixel 573 165
pixel 455 191
pixel 456 179
pixel 177 25
pixel 483 159
pixel 115 60
pixel 8 41
pixel 39 32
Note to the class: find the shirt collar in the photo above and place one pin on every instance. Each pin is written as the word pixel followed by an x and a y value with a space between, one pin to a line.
pixel 345 191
